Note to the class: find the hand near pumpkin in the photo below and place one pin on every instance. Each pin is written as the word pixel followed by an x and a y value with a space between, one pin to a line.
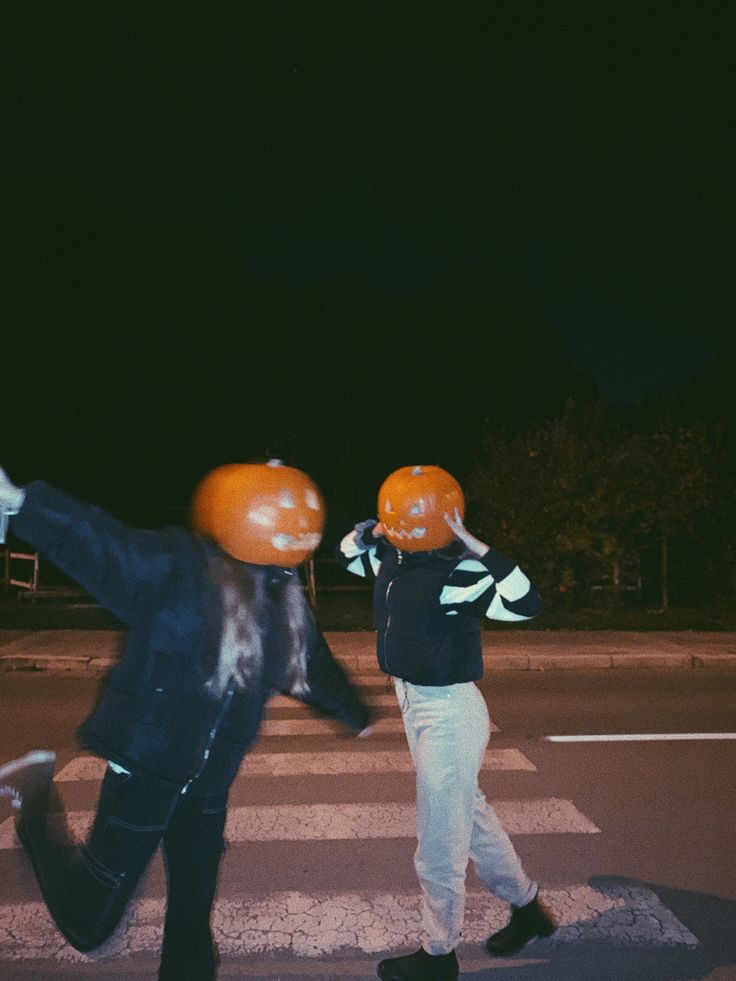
pixel 378 530
pixel 472 543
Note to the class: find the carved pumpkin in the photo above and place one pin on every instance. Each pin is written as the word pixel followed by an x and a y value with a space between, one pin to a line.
pixel 265 513
pixel 412 503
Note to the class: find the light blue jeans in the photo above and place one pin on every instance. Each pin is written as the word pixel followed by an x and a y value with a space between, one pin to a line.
pixel 448 729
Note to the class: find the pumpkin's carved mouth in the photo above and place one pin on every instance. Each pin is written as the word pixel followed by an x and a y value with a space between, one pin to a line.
pixel 405 535
pixel 289 543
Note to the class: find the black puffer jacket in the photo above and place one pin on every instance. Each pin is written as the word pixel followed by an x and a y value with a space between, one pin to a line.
pixel 428 606
pixel 155 712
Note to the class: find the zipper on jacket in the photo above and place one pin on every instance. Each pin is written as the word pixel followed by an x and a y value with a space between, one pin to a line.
pixel 210 739
pixel 388 623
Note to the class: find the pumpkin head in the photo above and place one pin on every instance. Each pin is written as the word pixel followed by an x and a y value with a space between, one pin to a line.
pixel 412 503
pixel 265 513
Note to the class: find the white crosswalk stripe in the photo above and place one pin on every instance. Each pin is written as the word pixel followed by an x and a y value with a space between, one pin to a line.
pixel 304 723
pixel 319 727
pixel 296 764
pixel 286 701
pixel 335 822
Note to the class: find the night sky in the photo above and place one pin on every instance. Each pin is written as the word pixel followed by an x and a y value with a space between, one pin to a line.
pixel 350 234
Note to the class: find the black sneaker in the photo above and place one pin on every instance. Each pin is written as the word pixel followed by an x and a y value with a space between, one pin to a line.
pixel 26 781
pixel 420 966
pixel 526 922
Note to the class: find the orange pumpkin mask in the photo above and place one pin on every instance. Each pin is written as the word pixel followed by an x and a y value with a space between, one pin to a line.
pixel 265 513
pixel 412 503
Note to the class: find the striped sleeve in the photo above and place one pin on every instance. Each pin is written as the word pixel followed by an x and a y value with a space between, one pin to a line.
pixel 492 586
pixel 357 557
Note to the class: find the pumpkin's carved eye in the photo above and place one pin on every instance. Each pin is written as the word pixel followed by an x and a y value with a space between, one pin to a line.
pixel 312 500
pixel 388 508
pixel 263 515
pixel 287 500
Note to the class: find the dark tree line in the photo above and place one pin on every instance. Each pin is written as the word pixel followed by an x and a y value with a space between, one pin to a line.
pixel 591 503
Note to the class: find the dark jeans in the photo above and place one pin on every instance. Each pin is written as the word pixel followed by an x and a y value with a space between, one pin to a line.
pixel 87 887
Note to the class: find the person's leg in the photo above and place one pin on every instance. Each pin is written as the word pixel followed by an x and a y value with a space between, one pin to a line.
pixel 132 816
pixel 445 782
pixel 86 887
pixel 495 859
pixel 444 742
pixel 193 846
pixel 438 734
pixel 500 869
pixel 491 850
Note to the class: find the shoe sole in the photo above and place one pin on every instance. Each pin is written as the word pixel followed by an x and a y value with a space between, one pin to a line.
pixel 38 757
pixel 508 951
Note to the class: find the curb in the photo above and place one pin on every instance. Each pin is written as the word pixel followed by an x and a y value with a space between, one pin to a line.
pixel 96 652
pixel 29 663
pixel 100 665
pixel 50 662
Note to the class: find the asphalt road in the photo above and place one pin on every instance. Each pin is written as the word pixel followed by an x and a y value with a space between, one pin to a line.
pixel 632 841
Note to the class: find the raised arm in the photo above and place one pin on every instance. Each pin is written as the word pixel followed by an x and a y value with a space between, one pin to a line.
pixel 487 583
pixel 115 564
pixel 361 549
pixel 11 501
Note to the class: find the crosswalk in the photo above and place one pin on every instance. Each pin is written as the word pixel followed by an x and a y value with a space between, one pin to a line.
pixel 298 917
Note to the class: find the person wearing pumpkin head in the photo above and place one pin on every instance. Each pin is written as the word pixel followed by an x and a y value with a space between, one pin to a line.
pixel 217 622
pixel 433 583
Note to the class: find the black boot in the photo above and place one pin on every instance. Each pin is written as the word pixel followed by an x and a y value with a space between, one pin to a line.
pixel 532 920
pixel 420 966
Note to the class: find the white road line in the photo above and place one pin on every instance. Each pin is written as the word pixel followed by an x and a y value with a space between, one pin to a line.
pixel 641 737
pixel 298 764
pixel 340 822
pixel 314 925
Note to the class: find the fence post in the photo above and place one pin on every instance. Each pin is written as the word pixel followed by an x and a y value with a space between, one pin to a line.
pixel 311 583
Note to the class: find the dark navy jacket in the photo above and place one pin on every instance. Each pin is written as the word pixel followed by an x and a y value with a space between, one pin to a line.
pixel 428 606
pixel 155 712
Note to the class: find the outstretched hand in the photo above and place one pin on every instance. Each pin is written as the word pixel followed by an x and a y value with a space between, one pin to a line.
pixel 11 501
pixel 11 497
pixel 459 530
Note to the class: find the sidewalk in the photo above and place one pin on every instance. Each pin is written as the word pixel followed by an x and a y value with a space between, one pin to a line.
pixel 97 650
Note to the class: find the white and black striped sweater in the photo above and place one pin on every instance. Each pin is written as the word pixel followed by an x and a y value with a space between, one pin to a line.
pixel 428 606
